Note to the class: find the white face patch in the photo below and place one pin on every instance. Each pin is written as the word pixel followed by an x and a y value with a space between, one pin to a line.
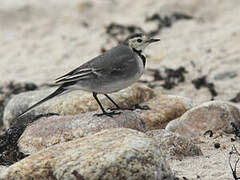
pixel 138 43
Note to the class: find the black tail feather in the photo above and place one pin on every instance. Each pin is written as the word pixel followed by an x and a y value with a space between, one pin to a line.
pixel 59 91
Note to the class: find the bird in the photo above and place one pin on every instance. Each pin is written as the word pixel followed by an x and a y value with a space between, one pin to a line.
pixel 109 72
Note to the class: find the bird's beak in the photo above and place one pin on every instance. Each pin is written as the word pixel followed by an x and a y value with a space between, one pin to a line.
pixel 153 40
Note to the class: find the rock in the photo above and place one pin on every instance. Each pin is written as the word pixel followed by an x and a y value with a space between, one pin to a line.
pixel 47 132
pixel 172 125
pixel 2 168
pixel 9 151
pixel 225 75
pixel 8 89
pixel 173 145
pixel 164 108
pixel 110 154
pixel 213 115
pixel 72 103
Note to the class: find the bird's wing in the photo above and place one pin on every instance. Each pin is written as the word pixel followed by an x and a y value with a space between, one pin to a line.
pixel 114 62
pixel 78 74
pixel 121 63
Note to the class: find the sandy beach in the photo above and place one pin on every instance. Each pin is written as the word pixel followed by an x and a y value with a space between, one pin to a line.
pixel 42 40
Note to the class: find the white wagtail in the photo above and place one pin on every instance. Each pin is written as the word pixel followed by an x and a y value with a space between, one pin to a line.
pixel 112 71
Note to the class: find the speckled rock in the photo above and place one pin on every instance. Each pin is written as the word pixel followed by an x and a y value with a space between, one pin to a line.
pixel 110 154
pixel 173 125
pixel 9 89
pixel 72 103
pixel 49 131
pixel 173 145
pixel 2 168
pixel 213 115
pixel 164 108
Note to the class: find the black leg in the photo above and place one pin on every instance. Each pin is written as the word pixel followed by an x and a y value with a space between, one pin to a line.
pixel 136 106
pixel 117 107
pixel 103 111
pixel 95 96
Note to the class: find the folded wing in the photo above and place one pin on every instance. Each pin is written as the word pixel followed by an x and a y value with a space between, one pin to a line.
pixel 78 74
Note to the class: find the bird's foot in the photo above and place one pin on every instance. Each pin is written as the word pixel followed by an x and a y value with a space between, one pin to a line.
pixel 136 106
pixel 118 108
pixel 110 114
pixel 144 107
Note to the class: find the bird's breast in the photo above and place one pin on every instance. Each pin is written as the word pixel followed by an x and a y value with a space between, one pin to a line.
pixel 141 64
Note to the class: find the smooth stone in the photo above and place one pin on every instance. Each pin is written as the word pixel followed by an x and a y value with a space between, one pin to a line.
pixel 72 103
pixel 172 125
pixel 47 132
pixel 117 153
pixel 173 145
pixel 213 115
pixel 2 168
pixel 163 109
pixel 224 75
pixel 9 89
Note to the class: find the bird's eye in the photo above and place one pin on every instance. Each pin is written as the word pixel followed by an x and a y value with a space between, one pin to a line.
pixel 139 40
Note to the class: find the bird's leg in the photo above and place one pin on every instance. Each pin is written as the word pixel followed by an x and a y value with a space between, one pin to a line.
pixel 117 107
pixel 137 106
pixel 103 110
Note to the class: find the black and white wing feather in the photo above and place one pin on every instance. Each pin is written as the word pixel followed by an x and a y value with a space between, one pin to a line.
pixel 77 75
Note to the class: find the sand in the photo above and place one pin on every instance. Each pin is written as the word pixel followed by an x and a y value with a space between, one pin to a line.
pixel 41 40
pixel 214 164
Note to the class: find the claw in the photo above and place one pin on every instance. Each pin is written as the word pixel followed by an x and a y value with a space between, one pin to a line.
pixel 144 107
pixel 110 114
pixel 136 106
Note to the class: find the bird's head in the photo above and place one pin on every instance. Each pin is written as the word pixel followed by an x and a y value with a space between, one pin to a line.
pixel 139 41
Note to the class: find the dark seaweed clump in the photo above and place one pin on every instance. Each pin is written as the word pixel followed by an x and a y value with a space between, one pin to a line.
pixel 201 82
pixel 119 31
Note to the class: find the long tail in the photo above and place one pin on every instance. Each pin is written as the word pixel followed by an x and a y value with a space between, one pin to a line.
pixel 59 91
